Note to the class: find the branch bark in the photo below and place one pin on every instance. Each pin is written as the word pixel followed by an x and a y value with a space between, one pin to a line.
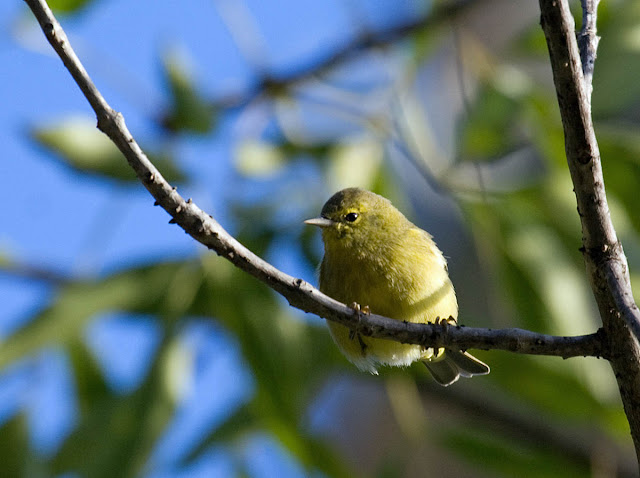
pixel 299 293
pixel 604 258
pixel 588 41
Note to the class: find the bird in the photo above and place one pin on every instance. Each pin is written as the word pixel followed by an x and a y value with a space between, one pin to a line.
pixel 380 262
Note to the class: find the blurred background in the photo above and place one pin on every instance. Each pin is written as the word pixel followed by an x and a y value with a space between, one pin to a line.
pixel 127 349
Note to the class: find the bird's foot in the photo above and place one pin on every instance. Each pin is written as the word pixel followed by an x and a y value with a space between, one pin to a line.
pixel 353 333
pixel 444 323
pixel 359 311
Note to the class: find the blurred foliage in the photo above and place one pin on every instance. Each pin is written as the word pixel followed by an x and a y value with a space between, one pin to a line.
pixel 189 111
pixel 68 6
pixel 79 144
pixel 500 457
pixel 525 234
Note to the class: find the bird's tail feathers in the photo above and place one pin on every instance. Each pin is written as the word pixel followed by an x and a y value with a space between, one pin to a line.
pixel 453 364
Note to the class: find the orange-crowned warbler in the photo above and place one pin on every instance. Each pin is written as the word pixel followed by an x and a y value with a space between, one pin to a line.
pixel 374 257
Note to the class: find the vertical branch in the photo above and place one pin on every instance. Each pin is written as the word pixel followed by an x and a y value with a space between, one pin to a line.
pixel 604 258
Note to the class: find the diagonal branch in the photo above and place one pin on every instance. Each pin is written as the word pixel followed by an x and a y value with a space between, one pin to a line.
pixel 605 261
pixel 31 272
pixel 299 293
pixel 276 84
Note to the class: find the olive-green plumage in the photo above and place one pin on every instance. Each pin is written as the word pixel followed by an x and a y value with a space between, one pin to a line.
pixel 374 256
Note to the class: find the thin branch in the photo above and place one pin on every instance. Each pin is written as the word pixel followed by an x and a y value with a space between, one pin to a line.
pixel 272 84
pixel 35 273
pixel 299 293
pixel 604 258
pixel 588 41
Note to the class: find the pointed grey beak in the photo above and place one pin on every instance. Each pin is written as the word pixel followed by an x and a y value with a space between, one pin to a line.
pixel 320 222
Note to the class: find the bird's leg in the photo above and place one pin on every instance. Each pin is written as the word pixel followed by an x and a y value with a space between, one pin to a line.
pixel 356 308
pixel 359 311
pixel 353 333
pixel 444 323
pixel 363 346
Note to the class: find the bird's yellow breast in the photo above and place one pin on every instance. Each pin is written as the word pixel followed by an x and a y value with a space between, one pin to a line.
pixel 405 279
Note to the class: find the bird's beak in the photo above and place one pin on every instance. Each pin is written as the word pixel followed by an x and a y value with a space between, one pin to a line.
pixel 320 222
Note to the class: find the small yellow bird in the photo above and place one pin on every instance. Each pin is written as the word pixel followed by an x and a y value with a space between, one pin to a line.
pixel 376 258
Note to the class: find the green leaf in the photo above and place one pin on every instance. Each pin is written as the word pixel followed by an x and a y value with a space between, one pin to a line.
pixel 90 383
pixel 506 457
pixel 189 110
pixel 490 127
pixel 531 43
pixel 620 151
pixel 67 6
pixel 15 454
pixel 238 425
pixel 79 144
pixel 615 85
pixel 117 432
pixel 262 159
pixel 258 159
pixel 62 322
pixel 287 357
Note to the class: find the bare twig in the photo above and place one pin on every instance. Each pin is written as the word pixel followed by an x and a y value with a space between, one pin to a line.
pixel 271 84
pixel 605 260
pixel 588 41
pixel 299 293
pixel 34 273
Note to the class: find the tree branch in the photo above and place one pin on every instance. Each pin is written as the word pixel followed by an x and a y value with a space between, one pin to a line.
pixel 604 258
pixel 33 272
pixel 275 85
pixel 588 41
pixel 299 293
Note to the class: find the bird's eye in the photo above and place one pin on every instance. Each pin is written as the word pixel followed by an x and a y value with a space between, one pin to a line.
pixel 351 217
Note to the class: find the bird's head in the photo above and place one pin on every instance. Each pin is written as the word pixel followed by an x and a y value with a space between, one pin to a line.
pixel 355 216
